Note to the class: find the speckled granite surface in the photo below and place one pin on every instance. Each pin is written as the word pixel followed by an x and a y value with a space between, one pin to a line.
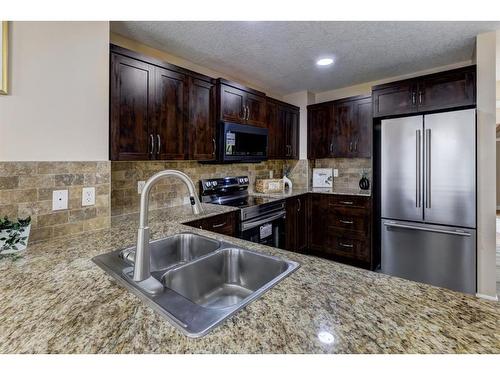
pixel 55 300
pixel 334 191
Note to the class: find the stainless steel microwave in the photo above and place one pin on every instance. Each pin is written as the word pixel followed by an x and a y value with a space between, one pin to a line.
pixel 241 143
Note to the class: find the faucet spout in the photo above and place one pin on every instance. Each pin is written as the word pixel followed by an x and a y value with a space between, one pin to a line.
pixel 142 271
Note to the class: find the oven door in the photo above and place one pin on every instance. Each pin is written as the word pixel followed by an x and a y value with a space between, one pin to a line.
pixel 242 143
pixel 268 230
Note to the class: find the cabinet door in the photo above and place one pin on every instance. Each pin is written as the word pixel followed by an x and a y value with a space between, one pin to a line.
pixel 319 214
pixel 319 131
pixel 361 129
pixel 201 126
pixel 232 102
pixel 131 97
pixel 292 134
pixel 342 143
pixel 302 223
pixel 291 224
pixel 455 88
pixel 171 104
pixel 256 110
pixel 273 151
pixel 395 99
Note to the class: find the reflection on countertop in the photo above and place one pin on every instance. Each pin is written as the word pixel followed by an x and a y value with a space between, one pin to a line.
pixel 56 300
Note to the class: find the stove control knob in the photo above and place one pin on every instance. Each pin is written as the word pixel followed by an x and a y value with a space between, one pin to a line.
pixel 214 183
pixel 246 180
pixel 207 184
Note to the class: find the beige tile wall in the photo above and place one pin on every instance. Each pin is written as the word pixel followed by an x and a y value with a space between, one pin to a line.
pixel 170 192
pixel 26 190
pixel 350 170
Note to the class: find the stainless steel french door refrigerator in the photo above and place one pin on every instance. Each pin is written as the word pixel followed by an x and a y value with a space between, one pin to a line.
pixel 428 199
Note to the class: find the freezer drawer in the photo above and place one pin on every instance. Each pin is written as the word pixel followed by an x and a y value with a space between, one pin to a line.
pixel 433 254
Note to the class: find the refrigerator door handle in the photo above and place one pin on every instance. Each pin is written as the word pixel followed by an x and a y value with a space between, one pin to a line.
pixel 428 168
pixel 453 232
pixel 418 194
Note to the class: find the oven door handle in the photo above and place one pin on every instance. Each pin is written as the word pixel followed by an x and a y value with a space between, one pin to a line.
pixel 253 224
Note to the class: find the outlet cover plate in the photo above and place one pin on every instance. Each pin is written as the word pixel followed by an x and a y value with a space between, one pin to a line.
pixel 88 196
pixel 140 186
pixel 59 200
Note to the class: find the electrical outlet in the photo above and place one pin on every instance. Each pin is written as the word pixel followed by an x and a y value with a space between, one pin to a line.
pixel 59 200
pixel 88 196
pixel 140 186
pixel 335 173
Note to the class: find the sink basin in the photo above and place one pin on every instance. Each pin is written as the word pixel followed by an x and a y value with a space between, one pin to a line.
pixel 205 281
pixel 174 250
pixel 225 278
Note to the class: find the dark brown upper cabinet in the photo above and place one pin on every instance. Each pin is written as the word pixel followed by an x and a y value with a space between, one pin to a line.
pixel 201 122
pixel 170 121
pixel 340 128
pixel 283 125
pixel 352 131
pixel 444 90
pixel 240 104
pixel 319 130
pixel 159 111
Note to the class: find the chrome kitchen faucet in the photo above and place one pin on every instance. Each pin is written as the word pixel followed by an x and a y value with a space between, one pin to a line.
pixel 142 272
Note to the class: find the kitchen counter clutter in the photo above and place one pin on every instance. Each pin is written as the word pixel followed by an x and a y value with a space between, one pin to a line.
pixel 334 191
pixel 56 300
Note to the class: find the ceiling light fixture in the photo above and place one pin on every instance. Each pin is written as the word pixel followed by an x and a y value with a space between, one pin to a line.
pixel 323 62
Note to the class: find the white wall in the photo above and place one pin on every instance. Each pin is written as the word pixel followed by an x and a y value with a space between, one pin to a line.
pixel 57 107
pixel 486 163
pixel 301 99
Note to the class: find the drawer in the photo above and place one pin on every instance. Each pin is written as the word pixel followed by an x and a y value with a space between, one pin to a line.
pixel 352 219
pixel 345 245
pixel 350 201
pixel 223 224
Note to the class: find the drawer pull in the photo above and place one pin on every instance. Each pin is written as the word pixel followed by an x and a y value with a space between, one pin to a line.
pixel 346 202
pixel 348 245
pixel 219 225
pixel 346 221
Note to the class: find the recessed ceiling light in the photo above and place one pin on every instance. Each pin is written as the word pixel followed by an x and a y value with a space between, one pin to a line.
pixel 326 61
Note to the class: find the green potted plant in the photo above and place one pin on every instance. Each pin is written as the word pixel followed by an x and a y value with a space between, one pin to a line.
pixel 14 235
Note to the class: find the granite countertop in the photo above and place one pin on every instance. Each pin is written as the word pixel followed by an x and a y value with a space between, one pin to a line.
pixel 56 300
pixel 333 191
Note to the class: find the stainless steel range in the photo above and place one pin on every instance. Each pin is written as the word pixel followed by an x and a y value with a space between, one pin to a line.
pixel 262 220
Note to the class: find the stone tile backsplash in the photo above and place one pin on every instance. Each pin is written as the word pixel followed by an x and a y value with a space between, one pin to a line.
pixel 350 171
pixel 26 187
pixel 170 192
pixel 26 190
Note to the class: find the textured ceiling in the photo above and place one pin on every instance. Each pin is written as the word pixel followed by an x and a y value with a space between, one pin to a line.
pixel 280 56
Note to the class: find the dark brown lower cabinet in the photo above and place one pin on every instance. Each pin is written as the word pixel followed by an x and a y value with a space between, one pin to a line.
pixel 297 217
pixel 224 224
pixel 340 228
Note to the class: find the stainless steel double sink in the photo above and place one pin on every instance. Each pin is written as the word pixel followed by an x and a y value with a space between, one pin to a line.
pixel 205 281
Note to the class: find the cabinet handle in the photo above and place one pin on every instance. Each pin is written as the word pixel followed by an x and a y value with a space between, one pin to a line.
pixel 356 146
pixel 244 116
pixel 158 138
pixel 413 97
pixel 346 202
pixel 300 205
pixel 350 146
pixel 331 148
pixel 348 245
pixel 215 147
pixel 219 225
pixel 152 144
pixel 420 96
pixel 346 221
pixel 248 112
